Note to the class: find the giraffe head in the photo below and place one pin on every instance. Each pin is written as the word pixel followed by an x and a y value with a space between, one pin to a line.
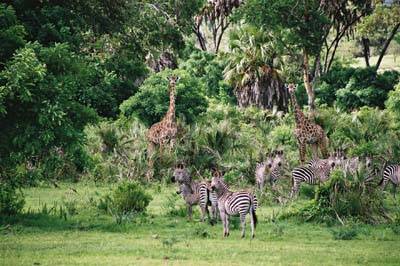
pixel 291 87
pixel 172 81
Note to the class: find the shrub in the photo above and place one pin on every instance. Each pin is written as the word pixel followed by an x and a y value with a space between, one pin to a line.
pixel 152 100
pixel 393 104
pixel 344 233
pixel 209 69
pixel 340 198
pixel 11 200
pixel 352 88
pixel 128 199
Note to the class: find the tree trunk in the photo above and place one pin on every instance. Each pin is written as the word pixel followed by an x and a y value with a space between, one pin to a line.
pixel 307 83
pixel 366 50
pixel 386 45
pixel 266 92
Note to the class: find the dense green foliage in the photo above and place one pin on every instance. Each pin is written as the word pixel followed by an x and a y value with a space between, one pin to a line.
pixel 350 88
pixel 151 102
pixel 11 200
pixel 127 199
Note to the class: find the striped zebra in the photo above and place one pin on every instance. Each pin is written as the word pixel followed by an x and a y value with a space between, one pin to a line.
pixel 195 193
pixel 213 200
pixel 390 173
pixel 276 168
pixel 181 175
pixel 271 167
pixel 233 203
pixel 312 175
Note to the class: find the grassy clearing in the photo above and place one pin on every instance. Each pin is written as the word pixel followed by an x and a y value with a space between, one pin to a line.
pixel 389 62
pixel 90 238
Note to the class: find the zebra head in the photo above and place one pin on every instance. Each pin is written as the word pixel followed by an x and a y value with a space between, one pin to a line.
pixel 368 162
pixel 333 160
pixel 181 174
pixel 217 183
pixel 276 166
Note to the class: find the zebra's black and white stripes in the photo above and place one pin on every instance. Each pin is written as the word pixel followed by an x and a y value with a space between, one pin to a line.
pixel 233 203
pixel 270 169
pixel 195 193
pixel 390 173
pixel 311 175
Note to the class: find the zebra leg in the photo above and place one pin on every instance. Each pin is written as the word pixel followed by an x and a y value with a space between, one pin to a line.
pixel 223 218
pixel 243 224
pixel 295 189
pixel 214 211
pixel 189 208
pixel 227 224
pixel 252 222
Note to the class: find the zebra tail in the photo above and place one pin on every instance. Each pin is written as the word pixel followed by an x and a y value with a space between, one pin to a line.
pixel 253 211
pixel 208 198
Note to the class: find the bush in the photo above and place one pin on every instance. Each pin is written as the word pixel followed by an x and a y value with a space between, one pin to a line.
pixel 128 199
pixel 344 233
pixel 340 198
pixel 209 69
pixel 352 88
pixel 151 102
pixel 11 200
pixel 393 104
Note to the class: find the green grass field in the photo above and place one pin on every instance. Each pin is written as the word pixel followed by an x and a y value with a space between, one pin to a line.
pixel 42 237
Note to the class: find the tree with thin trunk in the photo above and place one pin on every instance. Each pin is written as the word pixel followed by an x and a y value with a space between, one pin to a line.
pixel 251 70
pixel 215 16
pixel 383 23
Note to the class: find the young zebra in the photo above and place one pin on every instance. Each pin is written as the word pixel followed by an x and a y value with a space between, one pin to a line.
pixel 312 175
pixel 233 203
pixel 181 175
pixel 391 173
pixel 276 167
pixel 262 169
pixel 195 193
pixel 272 166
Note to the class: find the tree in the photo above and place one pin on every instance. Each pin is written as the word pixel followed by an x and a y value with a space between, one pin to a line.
pixel 384 23
pixel 42 108
pixel 215 15
pixel 298 25
pixel 251 70
pixel 12 33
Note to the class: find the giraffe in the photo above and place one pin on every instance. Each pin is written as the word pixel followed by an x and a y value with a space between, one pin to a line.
pixel 306 131
pixel 164 131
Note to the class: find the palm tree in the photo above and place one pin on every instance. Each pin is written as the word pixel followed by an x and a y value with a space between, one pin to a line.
pixel 250 70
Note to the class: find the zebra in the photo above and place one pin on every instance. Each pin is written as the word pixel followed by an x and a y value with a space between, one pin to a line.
pixel 261 171
pixel 181 175
pixel 391 173
pixel 276 167
pixel 312 175
pixel 272 166
pixel 233 203
pixel 356 165
pixel 195 193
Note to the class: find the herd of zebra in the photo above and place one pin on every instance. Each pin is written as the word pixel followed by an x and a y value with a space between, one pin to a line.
pixel 223 201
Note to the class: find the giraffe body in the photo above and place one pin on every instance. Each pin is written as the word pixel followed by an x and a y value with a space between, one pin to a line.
pixel 164 131
pixel 306 131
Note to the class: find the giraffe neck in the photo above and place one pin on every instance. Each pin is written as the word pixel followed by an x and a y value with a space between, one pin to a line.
pixel 298 114
pixel 171 109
